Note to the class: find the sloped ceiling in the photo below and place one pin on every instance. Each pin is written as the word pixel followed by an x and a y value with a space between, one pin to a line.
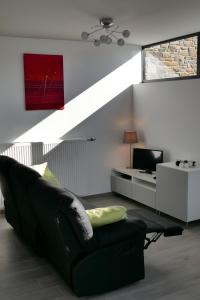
pixel 149 20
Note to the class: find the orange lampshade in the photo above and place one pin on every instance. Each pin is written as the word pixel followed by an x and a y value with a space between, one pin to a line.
pixel 130 137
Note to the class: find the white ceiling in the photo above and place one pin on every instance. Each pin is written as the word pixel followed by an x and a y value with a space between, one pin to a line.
pixel 149 20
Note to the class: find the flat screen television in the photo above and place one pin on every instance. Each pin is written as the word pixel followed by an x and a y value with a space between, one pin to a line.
pixel 146 159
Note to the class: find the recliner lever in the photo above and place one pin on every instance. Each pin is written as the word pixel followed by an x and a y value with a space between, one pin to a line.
pixel 154 238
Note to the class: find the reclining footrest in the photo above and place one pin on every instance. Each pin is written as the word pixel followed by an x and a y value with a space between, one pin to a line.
pixel 153 238
pixel 156 224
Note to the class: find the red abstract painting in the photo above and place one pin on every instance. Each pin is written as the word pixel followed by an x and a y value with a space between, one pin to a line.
pixel 44 86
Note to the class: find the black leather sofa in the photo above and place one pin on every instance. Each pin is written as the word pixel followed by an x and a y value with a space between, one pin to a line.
pixel 54 223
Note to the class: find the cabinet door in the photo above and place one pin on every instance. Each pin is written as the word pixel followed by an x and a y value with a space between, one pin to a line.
pixel 144 194
pixel 121 186
pixel 171 192
pixel 194 196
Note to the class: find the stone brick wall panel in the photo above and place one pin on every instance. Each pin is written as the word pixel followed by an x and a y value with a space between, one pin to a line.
pixel 173 59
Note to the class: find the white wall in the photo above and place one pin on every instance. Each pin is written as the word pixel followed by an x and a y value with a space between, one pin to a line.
pixel 167 115
pixel 83 66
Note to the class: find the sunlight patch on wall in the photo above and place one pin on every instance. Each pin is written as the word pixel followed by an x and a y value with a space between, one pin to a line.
pixel 87 103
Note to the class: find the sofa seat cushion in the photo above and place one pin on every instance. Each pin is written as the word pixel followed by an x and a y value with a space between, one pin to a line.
pixel 126 229
pixel 106 215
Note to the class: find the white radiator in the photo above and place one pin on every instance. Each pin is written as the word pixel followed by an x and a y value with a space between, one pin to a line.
pixel 68 160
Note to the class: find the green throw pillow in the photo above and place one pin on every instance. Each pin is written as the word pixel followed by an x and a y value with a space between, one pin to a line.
pixel 47 174
pixel 106 215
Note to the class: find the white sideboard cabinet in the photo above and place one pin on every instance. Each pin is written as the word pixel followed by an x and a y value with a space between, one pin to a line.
pixel 178 191
pixel 175 191
pixel 134 185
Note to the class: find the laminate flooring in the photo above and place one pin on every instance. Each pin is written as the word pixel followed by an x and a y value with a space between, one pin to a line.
pixel 172 267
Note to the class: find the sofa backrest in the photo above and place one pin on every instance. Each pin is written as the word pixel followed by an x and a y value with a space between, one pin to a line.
pixel 65 227
pixel 21 177
pixel 11 209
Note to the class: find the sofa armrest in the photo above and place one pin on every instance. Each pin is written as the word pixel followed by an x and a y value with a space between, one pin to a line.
pixel 119 231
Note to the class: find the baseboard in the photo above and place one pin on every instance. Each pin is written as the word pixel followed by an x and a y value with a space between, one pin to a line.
pixel 98 195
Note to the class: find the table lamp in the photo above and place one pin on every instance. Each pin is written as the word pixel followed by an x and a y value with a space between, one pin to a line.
pixel 130 137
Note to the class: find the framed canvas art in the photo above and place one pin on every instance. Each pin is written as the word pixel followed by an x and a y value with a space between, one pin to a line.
pixel 44 84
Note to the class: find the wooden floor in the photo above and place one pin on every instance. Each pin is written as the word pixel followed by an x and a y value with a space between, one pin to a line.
pixel 172 268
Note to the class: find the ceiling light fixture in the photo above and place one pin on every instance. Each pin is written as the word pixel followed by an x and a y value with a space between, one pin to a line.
pixel 110 33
